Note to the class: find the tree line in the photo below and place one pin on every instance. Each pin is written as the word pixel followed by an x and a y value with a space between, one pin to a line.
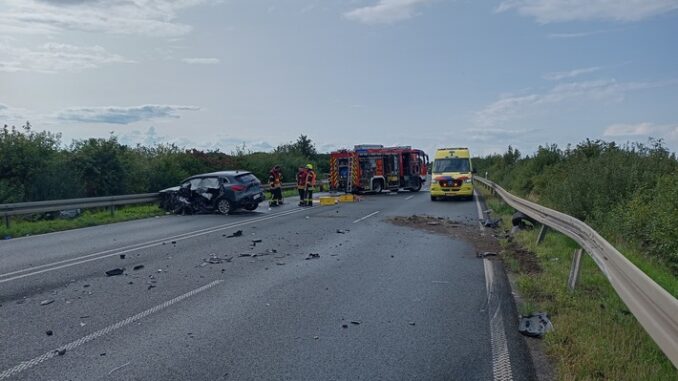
pixel 36 166
pixel 628 193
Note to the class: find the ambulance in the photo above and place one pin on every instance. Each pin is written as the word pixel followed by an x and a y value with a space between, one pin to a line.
pixel 452 174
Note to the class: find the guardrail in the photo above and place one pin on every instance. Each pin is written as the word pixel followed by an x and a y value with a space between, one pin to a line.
pixel 22 208
pixel 655 309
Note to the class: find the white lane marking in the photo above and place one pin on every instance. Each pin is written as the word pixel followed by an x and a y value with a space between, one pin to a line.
pixel 501 360
pixel 366 217
pixel 74 344
pixel 408 197
pixel 127 249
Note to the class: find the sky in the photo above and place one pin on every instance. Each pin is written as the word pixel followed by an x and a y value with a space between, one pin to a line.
pixel 216 74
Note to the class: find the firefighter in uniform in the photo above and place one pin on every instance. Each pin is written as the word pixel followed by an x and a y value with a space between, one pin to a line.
pixel 310 184
pixel 301 185
pixel 275 185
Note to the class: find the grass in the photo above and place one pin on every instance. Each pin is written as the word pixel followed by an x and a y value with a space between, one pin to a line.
pixel 595 336
pixel 20 227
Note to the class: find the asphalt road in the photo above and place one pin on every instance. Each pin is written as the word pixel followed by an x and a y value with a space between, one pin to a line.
pixel 381 302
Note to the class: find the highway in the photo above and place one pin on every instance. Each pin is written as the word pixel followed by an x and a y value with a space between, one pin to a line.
pixel 379 302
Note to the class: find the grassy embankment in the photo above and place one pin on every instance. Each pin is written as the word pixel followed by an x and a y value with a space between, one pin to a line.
pixel 595 336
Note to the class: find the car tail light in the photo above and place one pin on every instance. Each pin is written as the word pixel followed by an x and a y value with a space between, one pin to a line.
pixel 238 188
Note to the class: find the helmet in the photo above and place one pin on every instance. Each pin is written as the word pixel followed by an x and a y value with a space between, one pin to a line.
pixel 309 166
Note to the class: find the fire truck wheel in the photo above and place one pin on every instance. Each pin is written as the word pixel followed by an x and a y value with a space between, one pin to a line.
pixel 378 187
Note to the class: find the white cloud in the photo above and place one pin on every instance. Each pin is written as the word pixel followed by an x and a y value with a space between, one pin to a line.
pixel 665 131
pixel 512 107
pixel 54 57
pixel 548 11
pixel 386 11
pixel 583 34
pixel 497 134
pixel 147 17
pixel 201 61
pixel 560 75
pixel 122 115
pixel 11 115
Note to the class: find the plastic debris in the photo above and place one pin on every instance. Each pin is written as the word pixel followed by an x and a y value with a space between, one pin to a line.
pixel 49 332
pixel 355 322
pixel 122 256
pixel 61 351
pixel 313 256
pixel 46 302
pixel 115 272
pixel 411 323
pixel 535 325
pixel 138 267
pixel 235 234
pixel 342 231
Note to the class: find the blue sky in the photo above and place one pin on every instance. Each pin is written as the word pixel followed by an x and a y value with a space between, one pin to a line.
pixel 219 73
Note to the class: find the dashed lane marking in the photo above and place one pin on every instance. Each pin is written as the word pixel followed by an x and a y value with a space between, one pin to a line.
pixel 366 217
pixel 113 327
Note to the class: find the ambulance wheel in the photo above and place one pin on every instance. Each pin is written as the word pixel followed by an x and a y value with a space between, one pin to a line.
pixel 434 198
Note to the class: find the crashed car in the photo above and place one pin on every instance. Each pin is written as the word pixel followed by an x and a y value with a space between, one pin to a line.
pixel 220 192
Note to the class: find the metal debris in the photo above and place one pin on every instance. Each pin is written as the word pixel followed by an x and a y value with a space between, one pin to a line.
pixel 355 322
pixel 122 256
pixel 49 332
pixel 535 325
pixel 46 302
pixel 61 351
pixel 313 256
pixel 411 323
pixel 342 231
pixel 235 234
pixel 138 267
pixel 114 272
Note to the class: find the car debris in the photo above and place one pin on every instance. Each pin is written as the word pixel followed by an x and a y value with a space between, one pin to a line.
pixel 235 234
pixel 355 322
pixel 137 267
pixel 46 302
pixel 412 323
pixel 61 351
pixel 522 221
pixel 256 241
pixel 344 326
pixel 313 256
pixel 280 263
pixel 486 254
pixel 49 332
pixel 114 272
pixel 122 256
pixel 535 325
pixel 215 259
pixel 342 231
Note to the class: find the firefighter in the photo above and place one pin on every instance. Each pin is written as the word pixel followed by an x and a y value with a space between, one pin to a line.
pixel 301 185
pixel 275 186
pixel 310 184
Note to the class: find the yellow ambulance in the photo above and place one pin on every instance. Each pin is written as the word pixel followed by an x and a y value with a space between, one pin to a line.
pixel 452 174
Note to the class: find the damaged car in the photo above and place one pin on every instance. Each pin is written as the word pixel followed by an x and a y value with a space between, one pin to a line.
pixel 217 192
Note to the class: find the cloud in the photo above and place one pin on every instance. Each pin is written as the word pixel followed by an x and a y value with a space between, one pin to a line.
pixel 54 57
pixel 122 115
pixel 560 75
pixel 201 61
pixel 549 11
pixel 583 34
pixel 386 11
pixel 145 17
pixel 512 107
pixel 11 115
pixel 665 131
pixel 497 134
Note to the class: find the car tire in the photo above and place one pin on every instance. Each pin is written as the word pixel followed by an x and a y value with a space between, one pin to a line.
pixel 251 207
pixel 224 206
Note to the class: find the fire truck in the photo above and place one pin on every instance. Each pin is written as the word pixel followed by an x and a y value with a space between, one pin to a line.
pixel 374 168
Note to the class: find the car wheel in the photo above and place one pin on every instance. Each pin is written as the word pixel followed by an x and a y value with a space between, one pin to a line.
pixel 225 207
pixel 251 207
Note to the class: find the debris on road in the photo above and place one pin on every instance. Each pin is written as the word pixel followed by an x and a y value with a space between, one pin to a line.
pixel 344 326
pixel 114 272
pixel 49 332
pixel 433 223
pixel 122 256
pixel 316 337
pixel 61 351
pixel 46 302
pixel 411 323
pixel 280 263
pixel 235 234
pixel 522 221
pixel 215 259
pixel 355 322
pixel 535 325
pixel 486 254
pixel 342 231
pixel 313 256
pixel 138 267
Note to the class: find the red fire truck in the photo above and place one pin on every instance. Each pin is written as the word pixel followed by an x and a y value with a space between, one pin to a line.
pixel 373 168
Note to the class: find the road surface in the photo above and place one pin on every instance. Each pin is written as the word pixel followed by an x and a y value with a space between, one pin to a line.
pixel 381 302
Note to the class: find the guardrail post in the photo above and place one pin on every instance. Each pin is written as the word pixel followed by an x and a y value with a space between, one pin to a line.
pixel 112 210
pixel 7 222
pixel 542 233
pixel 574 269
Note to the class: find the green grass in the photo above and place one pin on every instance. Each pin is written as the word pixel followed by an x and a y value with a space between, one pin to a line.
pixel 20 227
pixel 595 336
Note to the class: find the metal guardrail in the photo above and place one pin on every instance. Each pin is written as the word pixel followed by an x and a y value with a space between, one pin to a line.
pixel 655 309
pixel 22 208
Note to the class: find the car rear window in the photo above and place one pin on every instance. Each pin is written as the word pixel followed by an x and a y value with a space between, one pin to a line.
pixel 246 178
